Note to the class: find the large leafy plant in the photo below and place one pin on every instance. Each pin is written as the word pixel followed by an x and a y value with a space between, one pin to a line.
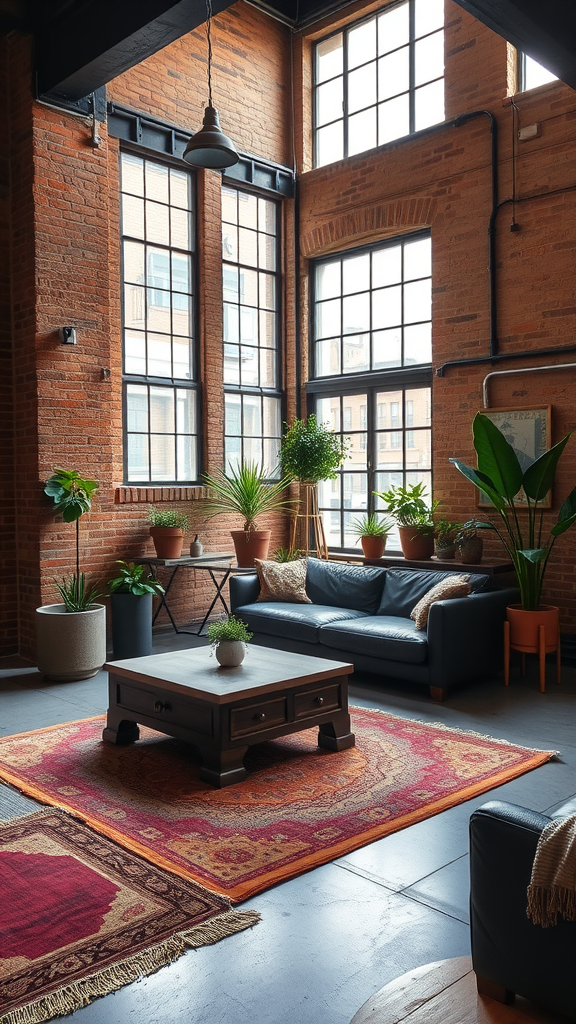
pixel 133 578
pixel 311 451
pixel 245 491
pixel 410 507
pixel 72 497
pixel 499 477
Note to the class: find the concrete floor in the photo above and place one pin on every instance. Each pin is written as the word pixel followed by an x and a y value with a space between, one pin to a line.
pixel 332 937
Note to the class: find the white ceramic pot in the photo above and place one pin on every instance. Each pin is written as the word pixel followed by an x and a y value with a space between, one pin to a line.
pixel 70 645
pixel 230 653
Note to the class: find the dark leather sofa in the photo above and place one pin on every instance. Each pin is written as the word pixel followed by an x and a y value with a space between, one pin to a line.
pixel 362 614
pixel 510 954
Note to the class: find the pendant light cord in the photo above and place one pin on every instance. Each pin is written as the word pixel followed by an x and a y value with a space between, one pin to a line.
pixel 209 38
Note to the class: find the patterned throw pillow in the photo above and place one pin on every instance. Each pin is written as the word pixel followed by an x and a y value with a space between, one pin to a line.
pixel 452 586
pixel 282 581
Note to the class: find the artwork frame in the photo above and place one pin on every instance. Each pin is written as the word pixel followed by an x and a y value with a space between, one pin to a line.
pixel 528 429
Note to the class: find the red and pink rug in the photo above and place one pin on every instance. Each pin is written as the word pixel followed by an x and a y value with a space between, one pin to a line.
pixel 299 807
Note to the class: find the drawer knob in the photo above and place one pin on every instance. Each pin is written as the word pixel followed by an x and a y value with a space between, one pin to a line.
pixel 260 717
pixel 319 700
pixel 161 706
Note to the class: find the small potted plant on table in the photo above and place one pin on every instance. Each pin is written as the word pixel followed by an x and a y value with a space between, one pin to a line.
pixel 372 532
pixel 131 594
pixel 414 515
pixel 228 640
pixel 167 528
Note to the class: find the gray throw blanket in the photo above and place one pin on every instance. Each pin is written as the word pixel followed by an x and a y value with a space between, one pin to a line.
pixel 552 888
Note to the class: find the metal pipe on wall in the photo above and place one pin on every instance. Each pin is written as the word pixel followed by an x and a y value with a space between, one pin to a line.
pixel 524 369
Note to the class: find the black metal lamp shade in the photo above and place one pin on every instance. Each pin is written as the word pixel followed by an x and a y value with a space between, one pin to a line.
pixel 210 147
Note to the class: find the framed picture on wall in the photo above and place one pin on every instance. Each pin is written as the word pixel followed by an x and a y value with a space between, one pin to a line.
pixel 527 429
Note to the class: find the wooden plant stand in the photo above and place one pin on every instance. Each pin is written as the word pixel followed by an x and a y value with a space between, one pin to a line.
pixel 541 650
pixel 308 523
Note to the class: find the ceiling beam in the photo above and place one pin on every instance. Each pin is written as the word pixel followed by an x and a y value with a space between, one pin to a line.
pixel 99 39
pixel 545 31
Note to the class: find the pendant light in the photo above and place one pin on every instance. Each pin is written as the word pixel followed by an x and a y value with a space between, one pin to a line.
pixel 210 147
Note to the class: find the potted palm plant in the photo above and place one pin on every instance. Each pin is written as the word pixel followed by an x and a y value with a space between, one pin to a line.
pixel 372 532
pixel 521 528
pixel 167 528
pixel 228 640
pixel 244 491
pixel 414 516
pixel 71 636
pixel 131 594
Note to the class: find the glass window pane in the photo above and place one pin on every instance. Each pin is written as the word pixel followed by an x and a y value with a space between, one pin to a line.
pixel 429 58
pixel 186 458
pixel 327 355
pixel 393 29
pixel 132 216
pixel 328 318
pixel 133 262
pixel 387 348
pixel 329 101
pixel 180 189
pixel 156 181
pixel 356 353
pixel 394 73
pixel 181 273
pixel 180 229
pixel 420 476
pixel 231 322
pixel 362 131
pixel 429 105
pixel 229 205
pixel 253 451
pixel 137 408
pixel 362 43
pixel 328 412
pixel 134 352
pixel 267 216
pixel 162 457
pixel 271 457
pixel 185 411
pixel 429 15
pixel 134 306
pixel 417 259
pixel 386 266
pixel 160 365
pixel 271 412
pixel 356 274
pixel 356 313
pixel 247 247
pixel 267 368
pixel 248 284
pixel 247 210
pixel 232 453
pixel 267 252
pixel 267 291
pixel 535 74
pixel 229 283
pixel 251 416
pixel 393 119
pixel 231 364
pixel 421 399
pixel 157 223
pixel 418 344
pixel 233 415
pixel 267 329
pixel 162 410
pixel 329 144
pixel 362 88
pixel 417 301
pixel 182 354
pixel 248 325
pixel 138 457
pixel 132 174
pixel 158 312
pixel 329 58
pixel 157 268
pixel 249 366
pixel 387 307
pixel 229 243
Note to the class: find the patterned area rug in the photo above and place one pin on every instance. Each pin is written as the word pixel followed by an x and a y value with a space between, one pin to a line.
pixel 299 807
pixel 85 917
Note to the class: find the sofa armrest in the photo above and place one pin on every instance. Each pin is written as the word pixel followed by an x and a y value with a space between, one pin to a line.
pixel 466 636
pixel 243 590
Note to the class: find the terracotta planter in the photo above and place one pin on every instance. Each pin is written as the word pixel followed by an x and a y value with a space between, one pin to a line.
pixel 230 653
pixel 168 541
pixel 416 546
pixel 471 551
pixel 373 547
pixel 525 627
pixel 249 546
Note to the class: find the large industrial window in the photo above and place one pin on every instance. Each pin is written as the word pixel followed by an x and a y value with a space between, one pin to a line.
pixel 251 294
pixel 160 398
pixel 379 79
pixel 372 329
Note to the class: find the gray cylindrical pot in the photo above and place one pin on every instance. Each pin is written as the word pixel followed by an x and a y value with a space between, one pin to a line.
pixel 70 645
pixel 131 625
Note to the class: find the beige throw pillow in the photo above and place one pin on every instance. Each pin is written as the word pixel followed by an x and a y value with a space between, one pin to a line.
pixel 452 586
pixel 282 581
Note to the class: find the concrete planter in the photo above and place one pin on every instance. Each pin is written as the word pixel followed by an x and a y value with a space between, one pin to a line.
pixel 70 645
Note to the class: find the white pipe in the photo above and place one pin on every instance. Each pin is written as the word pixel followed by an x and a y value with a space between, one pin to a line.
pixel 525 369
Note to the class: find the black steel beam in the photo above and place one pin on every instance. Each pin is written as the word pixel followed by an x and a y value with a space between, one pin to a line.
pixel 99 39
pixel 545 31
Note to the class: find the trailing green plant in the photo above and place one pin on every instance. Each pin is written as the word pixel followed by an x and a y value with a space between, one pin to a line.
pixel 500 478
pixel 288 555
pixel 78 595
pixel 244 490
pixel 370 525
pixel 132 578
pixel 167 517
pixel 228 629
pixel 311 451
pixel 72 497
pixel 410 507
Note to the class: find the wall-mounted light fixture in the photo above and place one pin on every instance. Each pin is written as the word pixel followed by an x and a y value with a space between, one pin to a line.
pixel 210 147
pixel 67 335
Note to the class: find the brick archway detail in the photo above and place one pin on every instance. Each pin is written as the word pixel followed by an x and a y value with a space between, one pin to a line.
pixel 369 223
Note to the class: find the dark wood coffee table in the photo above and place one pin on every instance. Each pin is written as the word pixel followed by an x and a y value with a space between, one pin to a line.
pixel 223 711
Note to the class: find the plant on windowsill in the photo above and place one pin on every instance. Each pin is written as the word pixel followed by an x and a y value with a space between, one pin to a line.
pixel 446 534
pixel 469 543
pixel 414 516
pixel 229 639
pixel 71 637
pixel 131 595
pixel 372 532
pixel 245 491
pixel 500 478
pixel 167 529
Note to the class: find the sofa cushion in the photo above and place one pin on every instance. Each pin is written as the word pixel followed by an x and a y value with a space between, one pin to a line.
pixel 282 581
pixel 380 636
pixel 453 586
pixel 403 588
pixel 292 621
pixel 345 586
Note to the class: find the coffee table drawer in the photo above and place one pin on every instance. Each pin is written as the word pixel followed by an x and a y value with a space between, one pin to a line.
pixel 163 708
pixel 313 702
pixel 257 717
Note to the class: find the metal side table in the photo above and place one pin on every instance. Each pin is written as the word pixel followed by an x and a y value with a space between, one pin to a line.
pixel 216 564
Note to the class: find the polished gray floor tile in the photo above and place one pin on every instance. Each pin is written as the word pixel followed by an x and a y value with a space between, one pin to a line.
pixel 446 890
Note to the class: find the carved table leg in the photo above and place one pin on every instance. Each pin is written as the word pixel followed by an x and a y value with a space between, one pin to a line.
pixel 336 735
pixel 222 767
pixel 119 729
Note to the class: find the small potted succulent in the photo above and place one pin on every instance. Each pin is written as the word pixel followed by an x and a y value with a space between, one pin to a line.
pixel 372 532
pixel 167 529
pixel 414 516
pixel 131 594
pixel 228 639
pixel 446 534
